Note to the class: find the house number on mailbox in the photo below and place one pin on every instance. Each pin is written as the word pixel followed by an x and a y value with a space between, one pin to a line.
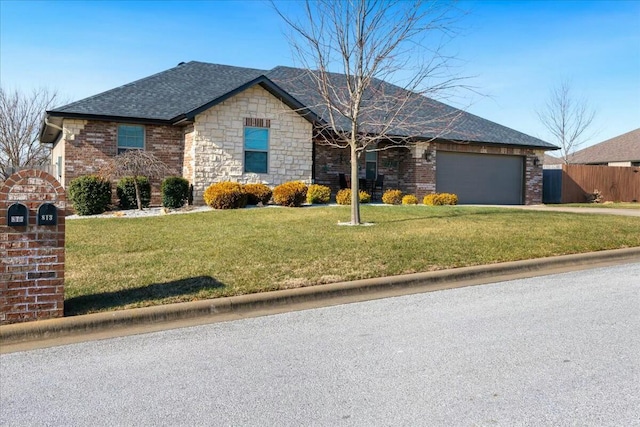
pixel 47 214
pixel 17 215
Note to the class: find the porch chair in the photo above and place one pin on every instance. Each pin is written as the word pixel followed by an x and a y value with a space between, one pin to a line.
pixel 377 185
pixel 343 181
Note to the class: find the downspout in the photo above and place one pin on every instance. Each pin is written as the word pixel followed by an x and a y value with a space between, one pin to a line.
pixel 58 171
pixel 46 122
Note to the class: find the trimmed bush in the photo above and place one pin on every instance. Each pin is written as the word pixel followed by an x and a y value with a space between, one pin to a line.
pixel 409 199
pixel 364 197
pixel 343 197
pixel 392 197
pixel 90 194
pixel 126 192
pixel 257 193
pixel 318 194
pixel 225 195
pixel 175 192
pixel 439 199
pixel 291 194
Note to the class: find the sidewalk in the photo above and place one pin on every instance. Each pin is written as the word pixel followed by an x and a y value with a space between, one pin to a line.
pixel 48 333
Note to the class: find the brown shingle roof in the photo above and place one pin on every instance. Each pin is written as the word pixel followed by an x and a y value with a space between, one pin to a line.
pixel 623 148
pixel 552 160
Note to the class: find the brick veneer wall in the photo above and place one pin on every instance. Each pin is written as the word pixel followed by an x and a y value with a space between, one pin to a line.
pixel 32 257
pixel 533 173
pixel 408 170
pixel 90 144
pixel 331 161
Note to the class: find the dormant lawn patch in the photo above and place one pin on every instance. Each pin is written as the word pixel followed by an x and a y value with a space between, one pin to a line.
pixel 116 263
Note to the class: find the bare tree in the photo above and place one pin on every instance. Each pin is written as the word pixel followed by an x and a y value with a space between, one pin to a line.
pixel 352 49
pixel 21 115
pixel 137 164
pixel 567 118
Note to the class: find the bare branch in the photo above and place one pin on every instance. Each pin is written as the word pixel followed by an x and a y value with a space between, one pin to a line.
pixel 136 163
pixel 21 115
pixel 351 50
pixel 567 118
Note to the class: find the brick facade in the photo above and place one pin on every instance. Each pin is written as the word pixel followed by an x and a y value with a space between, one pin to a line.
pixel 408 170
pixel 88 145
pixel 32 256
pixel 331 161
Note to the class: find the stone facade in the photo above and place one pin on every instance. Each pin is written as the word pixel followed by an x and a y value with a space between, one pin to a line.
pixel 218 142
pixel 32 256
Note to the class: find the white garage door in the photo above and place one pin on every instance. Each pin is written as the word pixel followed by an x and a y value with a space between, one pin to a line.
pixel 481 178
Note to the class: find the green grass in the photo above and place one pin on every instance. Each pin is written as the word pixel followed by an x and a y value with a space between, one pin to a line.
pixel 609 205
pixel 119 263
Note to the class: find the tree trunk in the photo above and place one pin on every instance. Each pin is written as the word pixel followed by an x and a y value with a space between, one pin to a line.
pixel 355 190
pixel 137 187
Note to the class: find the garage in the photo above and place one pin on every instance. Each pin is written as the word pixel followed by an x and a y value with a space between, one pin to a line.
pixel 480 178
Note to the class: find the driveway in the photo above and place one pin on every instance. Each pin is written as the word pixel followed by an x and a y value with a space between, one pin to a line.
pixel 554 350
pixel 602 211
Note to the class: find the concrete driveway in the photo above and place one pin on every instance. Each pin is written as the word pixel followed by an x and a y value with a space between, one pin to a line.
pixel 600 211
pixel 556 350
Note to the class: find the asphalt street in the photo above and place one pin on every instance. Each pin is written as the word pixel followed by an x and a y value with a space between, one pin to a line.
pixel 554 350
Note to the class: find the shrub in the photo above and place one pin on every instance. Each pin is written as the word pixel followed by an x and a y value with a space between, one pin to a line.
pixel 257 193
pixel 126 192
pixel 175 192
pixel 409 199
pixel 449 199
pixel 392 197
pixel 90 194
pixel 291 194
pixel 344 197
pixel 318 194
pixel 438 199
pixel 225 195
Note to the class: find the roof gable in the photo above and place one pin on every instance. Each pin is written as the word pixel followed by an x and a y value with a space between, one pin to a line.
pixel 167 95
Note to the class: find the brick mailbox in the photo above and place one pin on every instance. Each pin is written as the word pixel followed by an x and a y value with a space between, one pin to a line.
pixel 32 222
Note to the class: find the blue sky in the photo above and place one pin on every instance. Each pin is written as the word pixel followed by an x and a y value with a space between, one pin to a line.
pixel 513 51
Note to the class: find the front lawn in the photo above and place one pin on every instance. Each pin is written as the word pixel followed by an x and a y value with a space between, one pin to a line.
pixel 116 263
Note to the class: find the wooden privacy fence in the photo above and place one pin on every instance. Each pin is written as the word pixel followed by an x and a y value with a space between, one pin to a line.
pixel 617 184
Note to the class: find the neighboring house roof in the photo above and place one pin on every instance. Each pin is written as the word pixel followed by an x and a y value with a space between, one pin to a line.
pixel 622 148
pixel 551 160
pixel 182 92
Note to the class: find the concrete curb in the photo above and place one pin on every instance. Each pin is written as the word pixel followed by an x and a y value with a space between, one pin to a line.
pixel 295 299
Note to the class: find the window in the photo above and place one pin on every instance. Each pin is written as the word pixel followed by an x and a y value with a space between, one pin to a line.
pixel 371 158
pixel 130 137
pixel 256 149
